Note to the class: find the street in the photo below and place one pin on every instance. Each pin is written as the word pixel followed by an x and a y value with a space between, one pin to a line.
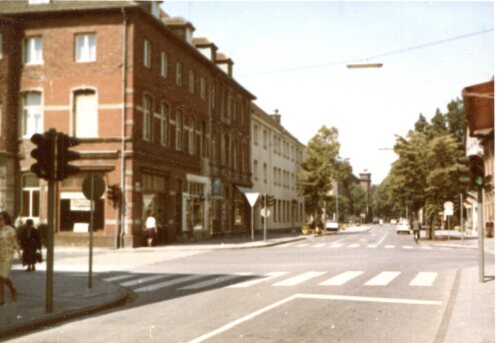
pixel 373 286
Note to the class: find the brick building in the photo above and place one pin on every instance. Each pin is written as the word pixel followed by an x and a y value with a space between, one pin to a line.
pixel 157 113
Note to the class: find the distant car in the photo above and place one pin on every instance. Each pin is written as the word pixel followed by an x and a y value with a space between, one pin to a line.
pixel 331 225
pixel 393 221
pixel 403 227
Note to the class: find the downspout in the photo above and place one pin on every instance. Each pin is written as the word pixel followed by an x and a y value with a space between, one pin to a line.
pixel 123 201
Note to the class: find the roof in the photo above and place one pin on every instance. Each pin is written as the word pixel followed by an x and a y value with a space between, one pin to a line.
pixel 22 7
pixel 479 104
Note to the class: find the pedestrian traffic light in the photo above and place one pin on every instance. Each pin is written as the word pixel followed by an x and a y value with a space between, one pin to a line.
pixel 113 194
pixel 64 156
pixel 471 171
pixel 44 154
pixel 269 200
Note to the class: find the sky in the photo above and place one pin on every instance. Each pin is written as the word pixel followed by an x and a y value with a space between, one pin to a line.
pixel 292 56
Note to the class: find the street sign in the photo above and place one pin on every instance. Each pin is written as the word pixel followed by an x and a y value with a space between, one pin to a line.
pixel 448 208
pixel 265 212
pixel 98 187
pixel 252 198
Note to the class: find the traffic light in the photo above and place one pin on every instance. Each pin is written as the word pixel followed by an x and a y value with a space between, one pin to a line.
pixel 267 200
pixel 472 171
pixel 113 194
pixel 64 156
pixel 44 154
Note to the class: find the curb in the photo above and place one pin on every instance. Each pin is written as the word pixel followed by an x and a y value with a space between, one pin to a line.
pixel 50 319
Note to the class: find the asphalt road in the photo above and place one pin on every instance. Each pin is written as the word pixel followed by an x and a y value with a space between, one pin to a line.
pixel 374 286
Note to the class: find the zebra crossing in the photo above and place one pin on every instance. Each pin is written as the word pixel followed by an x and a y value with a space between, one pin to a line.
pixel 364 245
pixel 197 282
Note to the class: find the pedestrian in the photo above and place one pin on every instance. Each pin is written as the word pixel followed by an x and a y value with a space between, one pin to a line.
pixel 30 242
pixel 8 245
pixel 151 228
pixel 416 228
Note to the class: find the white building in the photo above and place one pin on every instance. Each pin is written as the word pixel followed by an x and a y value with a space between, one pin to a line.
pixel 276 159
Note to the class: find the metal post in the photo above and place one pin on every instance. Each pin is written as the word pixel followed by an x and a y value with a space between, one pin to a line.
pixel 92 209
pixel 448 227
pixel 50 247
pixel 265 217
pixel 252 222
pixel 461 217
pixel 481 245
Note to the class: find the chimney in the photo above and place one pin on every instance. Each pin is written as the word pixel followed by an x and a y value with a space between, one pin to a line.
pixel 206 48
pixel 180 27
pixel 276 116
pixel 225 63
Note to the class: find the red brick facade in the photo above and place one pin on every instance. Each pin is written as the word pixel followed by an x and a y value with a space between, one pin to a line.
pixel 177 179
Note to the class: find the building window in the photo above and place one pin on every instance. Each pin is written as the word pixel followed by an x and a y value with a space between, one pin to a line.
pixel 1 45
pixel 86 47
pixel 191 81
pixel 85 113
pixel 163 64
pixel 264 171
pixel 191 135
pixel 213 95
pixel 33 50
pixel 32 115
pixel 164 127
pixel 264 139
pixel 179 73
pixel 147 54
pixel 256 135
pixel 147 117
pixel 30 198
pixel 202 88
pixel 179 129
pixel 256 170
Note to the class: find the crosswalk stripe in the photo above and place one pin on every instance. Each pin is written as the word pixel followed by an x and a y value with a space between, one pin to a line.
pixel 372 246
pixel 298 279
pixel 382 279
pixel 168 283
pixel 249 283
pixel 319 245
pixel 423 279
pixel 342 278
pixel 354 245
pixel 145 279
pixel 211 282
pixel 407 246
pixel 118 278
pixel 336 245
pixel 424 247
pixel 389 246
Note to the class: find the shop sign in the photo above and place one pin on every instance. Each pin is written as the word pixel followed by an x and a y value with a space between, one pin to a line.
pixel 80 205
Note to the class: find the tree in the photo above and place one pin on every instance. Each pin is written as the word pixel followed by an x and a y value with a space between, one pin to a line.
pixel 456 120
pixel 357 199
pixel 320 164
pixel 421 125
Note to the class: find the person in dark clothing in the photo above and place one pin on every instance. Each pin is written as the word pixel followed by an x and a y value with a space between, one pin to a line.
pixel 30 242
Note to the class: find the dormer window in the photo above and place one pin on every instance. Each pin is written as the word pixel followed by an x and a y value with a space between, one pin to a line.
pixel 156 9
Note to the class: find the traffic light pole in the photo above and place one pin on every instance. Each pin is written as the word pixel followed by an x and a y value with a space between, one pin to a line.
pixel 481 246
pixel 50 247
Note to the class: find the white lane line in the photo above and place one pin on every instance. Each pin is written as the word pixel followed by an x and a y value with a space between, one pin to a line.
pixel 354 245
pixel 389 246
pixel 424 247
pixel 372 246
pixel 319 245
pixel 407 246
pixel 336 245
pixel 299 279
pixel 216 280
pixel 423 279
pixel 144 279
pixel 249 283
pixel 119 278
pixel 268 308
pixel 382 239
pixel 382 279
pixel 169 283
pixel 342 278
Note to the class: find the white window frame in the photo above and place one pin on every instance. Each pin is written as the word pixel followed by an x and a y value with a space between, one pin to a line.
pixel 164 119
pixel 147 116
pixel 86 52
pixel 163 64
pixel 147 54
pixel 31 55
pixel 30 113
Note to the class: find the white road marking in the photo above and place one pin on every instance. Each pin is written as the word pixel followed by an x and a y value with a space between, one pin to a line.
pixel 319 245
pixel 216 280
pixel 249 283
pixel 424 247
pixel 299 279
pixel 423 279
pixel 382 239
pixel 168 283
pixel 144 279
pixel 342 278
pixel 336 245
pixel 407 246
pixel 389 246
pixel 254 314
pixel 119 278
pixel 372 246
pixel 354 245
pixel 382 279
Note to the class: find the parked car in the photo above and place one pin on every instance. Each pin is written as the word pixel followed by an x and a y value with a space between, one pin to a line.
pixel 403 227
pixel 393 221
pixel 331 225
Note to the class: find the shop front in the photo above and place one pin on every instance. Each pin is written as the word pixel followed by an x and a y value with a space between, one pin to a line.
pixel 196 204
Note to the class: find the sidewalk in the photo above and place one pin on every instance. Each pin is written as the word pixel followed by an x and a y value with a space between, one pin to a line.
pixel 72 298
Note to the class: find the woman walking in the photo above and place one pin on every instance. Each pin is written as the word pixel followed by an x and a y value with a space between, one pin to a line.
pixel 8 244
pixel 30 243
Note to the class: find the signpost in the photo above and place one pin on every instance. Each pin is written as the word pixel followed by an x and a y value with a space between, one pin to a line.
pixel 252 199
pixel 93 189
pixel 448 211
